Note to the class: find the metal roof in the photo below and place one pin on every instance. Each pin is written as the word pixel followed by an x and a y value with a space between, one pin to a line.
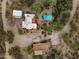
pixel 17 13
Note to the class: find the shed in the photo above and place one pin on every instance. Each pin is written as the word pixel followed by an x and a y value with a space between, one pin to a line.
pixel 41 48
pixel 17 13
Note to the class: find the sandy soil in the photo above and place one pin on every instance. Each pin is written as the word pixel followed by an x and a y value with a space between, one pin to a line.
pixel 25 40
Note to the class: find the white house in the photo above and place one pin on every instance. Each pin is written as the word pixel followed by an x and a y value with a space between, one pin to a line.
pixel 17 13
pixel 28 22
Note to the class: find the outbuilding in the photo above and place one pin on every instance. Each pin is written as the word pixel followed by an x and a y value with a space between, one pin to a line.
pixel 41 48
pixel 17 13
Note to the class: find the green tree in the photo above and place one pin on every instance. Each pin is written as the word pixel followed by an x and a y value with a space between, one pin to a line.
pixel 9 36
pixel 37 8
pixel 57 25
pixel 48 3
pixel 28 50
pixel 47 28
pixel 63 5
pixel 14 51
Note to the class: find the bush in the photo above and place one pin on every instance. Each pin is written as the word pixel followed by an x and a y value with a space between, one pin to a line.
pixel 9 36
pixel 28 50
pixel 47 28
pixel 14 51
pixel 48 3
pixel 63 5
pixel 57 25
pixel 37 8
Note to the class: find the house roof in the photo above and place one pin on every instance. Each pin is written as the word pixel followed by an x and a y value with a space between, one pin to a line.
pixel 29 17
pixel 48 17
pixel 41 48
pixel 17 13
pixel 28 23
pixel 29 26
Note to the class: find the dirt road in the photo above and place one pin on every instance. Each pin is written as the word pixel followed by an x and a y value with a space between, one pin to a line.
pixel 3 5
pixel 74 7
pixel 5 26
pixel 67 27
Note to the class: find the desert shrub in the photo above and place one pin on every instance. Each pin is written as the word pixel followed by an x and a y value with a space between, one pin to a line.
pixel 48 3
pixel 28 50
pixel 9 36
pixel 37 8
pixel 63 5
pixel 15 52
